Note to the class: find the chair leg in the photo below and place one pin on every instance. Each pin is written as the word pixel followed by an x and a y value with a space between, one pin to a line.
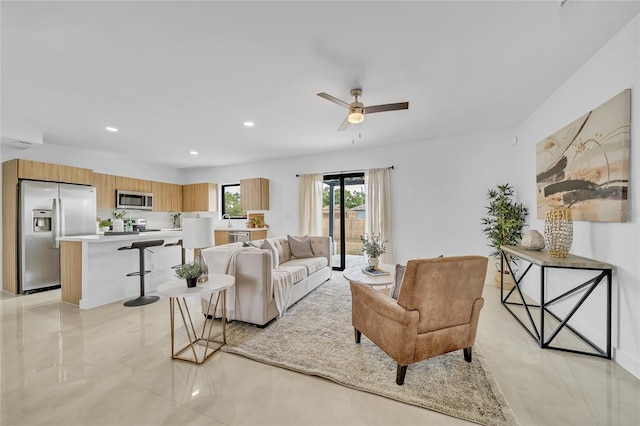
pixel 467 354
pixel 402 371
pixel 358 334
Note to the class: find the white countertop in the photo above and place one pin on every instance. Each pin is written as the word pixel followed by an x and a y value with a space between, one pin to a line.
pixel 234 229
pixel 101 238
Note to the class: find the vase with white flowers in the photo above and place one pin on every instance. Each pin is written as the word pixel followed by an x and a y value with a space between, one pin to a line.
pixel 117 222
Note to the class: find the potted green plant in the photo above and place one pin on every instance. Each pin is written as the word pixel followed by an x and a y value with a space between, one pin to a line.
pixel 373 246
pixel 190 272
pixel 503 224
pixel 104 224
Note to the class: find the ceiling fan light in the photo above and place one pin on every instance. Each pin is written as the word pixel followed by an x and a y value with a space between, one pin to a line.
pixel 355 117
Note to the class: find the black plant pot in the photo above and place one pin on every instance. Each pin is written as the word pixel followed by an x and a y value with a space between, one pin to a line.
pixel 191 282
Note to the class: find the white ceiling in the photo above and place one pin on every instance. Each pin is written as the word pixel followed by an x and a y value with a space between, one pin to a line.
pixel 179 76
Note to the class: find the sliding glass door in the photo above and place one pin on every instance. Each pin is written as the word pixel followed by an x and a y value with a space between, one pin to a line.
pixel 343 217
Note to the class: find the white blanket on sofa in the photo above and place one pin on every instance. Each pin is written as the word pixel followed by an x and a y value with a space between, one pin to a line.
pixel 282 288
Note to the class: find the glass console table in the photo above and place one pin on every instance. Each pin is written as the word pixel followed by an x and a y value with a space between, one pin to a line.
pixel 580 292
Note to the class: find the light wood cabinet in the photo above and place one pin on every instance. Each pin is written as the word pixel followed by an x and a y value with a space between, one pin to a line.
pixel 258 235
pixel 37 170
pixel 77 175
pixel 132 184
pixel 105 191
pixel 10 226
pixel 254 194
pixel 167 197
pixel 200 197
pixel 221 237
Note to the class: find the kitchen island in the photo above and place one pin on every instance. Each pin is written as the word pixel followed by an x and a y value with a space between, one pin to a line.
pixel 94 273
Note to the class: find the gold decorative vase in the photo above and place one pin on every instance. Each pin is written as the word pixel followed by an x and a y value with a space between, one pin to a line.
pixel 558 231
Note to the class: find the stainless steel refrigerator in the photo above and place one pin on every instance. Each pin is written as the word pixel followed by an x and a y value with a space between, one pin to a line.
pixel 48 210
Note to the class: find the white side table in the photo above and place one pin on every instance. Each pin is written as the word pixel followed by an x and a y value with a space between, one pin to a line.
pixel 356 275
pixel 177 291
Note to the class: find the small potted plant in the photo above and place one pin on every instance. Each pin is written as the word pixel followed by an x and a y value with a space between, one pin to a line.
pixel 104 224
pixel 190 272
pixel 373 246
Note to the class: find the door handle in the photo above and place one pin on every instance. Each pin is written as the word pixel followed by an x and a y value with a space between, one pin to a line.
pixel 55 223
pixel 63 231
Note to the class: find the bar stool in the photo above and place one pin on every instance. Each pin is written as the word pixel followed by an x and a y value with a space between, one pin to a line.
pixel 179 243
pixel 141 247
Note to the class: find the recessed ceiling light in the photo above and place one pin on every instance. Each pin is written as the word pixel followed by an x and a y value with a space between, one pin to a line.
pixel 193 152
pixel 248 123
pixel 111 129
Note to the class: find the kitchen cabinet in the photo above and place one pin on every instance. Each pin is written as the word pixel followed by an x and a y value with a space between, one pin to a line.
pixel 167 197
pixel 222 235
pixel 37 170
pixel 254 194
pixel 200 197
pixel 105 191
pixel 77 175
pixel 9 228
pixel 132 184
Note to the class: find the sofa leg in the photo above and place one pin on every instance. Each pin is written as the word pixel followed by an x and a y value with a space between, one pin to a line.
pixel 358 334
pixel 467 354
pixel 402 371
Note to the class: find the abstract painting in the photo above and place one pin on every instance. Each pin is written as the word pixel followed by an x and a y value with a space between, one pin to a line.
pixel 585 165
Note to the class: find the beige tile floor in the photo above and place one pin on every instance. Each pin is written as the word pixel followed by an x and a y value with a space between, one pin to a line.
pixel 111 366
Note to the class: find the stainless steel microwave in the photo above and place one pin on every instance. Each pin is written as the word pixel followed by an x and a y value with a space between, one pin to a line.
pixel 131 200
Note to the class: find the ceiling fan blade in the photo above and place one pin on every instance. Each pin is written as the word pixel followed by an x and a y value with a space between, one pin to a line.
pixel 334 100
pixel 386 107
pixel 344 124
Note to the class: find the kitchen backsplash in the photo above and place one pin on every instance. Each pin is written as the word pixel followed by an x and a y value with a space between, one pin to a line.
pixel 155 220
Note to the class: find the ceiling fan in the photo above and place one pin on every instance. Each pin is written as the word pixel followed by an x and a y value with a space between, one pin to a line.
pixel 357 110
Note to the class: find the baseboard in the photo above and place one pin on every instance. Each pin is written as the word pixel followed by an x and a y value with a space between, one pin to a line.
pixel 627 362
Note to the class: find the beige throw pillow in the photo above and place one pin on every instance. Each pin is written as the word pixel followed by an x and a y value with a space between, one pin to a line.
pixel 395 289
pixel 266 245
pixel 300 246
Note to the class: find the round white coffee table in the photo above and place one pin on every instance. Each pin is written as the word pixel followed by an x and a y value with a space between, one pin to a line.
pixel 355 274
pixel 177 291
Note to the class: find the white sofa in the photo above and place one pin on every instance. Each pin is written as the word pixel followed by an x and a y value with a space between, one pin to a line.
pixel 252 298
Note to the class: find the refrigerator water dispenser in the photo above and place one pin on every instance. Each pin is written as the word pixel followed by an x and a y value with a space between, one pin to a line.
pixel 41 220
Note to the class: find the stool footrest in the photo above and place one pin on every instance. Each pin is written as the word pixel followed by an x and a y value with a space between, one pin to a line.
pixel 135 274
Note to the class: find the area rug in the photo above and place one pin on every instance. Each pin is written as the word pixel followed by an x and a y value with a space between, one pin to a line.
pixel 315 337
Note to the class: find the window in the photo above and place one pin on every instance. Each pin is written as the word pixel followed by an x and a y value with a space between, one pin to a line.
pixel 231 201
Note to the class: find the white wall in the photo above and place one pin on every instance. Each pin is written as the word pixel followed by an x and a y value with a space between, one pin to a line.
pixel 438 188
pixel 614 68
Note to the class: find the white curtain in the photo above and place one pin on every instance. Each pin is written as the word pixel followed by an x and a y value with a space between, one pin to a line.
pixel 310 204
pixel 378 208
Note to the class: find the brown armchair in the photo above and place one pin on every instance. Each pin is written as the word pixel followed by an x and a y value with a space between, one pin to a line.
pixel 436 312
